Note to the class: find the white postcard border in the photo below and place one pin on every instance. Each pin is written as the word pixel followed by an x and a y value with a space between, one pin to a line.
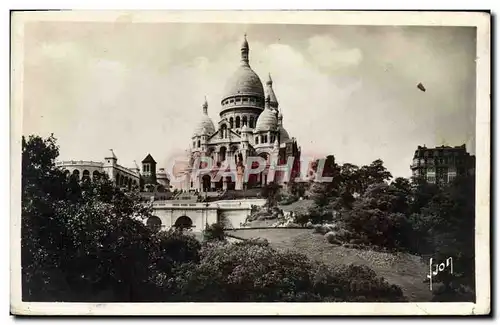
pixel 482 243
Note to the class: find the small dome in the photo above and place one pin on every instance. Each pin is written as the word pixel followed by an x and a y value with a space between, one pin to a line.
pixel 284 136
pixel 267 119
pixel 205 126
pixel 244 82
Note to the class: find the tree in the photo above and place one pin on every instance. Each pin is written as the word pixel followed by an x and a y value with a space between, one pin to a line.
pixel 214 232
pixel 270 193
pixel 373 174
pixel 379 217
pixel 79 238
pixel 449 222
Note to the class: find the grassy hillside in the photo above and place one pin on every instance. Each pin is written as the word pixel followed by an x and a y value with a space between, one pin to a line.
pixel 404 270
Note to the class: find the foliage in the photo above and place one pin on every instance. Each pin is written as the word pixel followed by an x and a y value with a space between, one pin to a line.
pixel 258 273
pixel 378 217
pixel 86 241
pixel 214 231
pixel 331 237
pixel 270 193
pixel 82 239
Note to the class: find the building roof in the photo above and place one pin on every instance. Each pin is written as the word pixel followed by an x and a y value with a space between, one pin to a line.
pixel 284 136
pixel 148 159
pixel 205 125
pixel 267 119
pixel 244 80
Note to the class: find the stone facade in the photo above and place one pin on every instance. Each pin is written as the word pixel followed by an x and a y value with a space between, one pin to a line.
pixel 148 180
pixel 441 165
pixel 250 125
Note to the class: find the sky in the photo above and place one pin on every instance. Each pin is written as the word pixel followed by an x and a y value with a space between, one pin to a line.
pixel 350 91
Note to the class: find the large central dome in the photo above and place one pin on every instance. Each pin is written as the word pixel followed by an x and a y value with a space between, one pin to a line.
pixel 244 82
pixel 244 85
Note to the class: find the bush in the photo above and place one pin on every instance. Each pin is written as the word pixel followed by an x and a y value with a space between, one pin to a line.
pixel 214 232
pixel 248 272
pixel 287 199
pixel 320 229
pixel 301 218
pixel 331 237
pixel 253 241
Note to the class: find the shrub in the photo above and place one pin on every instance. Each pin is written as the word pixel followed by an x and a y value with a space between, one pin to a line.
pixel 320 229
pixel 254 241
pixel 331 237
pixel 214 232
pixel 248 272
pixel 301 218
pixel 287 199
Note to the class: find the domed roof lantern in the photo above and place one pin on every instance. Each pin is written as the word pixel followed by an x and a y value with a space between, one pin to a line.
pixel 269 81
pixel 270 92
pixel 205 106
pixel 244 51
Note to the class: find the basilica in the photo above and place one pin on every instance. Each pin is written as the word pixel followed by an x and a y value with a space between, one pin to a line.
pixel 251 124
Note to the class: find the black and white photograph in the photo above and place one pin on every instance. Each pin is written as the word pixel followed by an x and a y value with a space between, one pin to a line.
pixel 231 158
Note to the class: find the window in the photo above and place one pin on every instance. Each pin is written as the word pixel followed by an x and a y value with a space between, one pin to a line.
pixel 231 123
pixel 231 101
pixel 245 99
pixel 237 121
pixel 238 99
pixel 256 140
pixel 199 143
pixel 251 122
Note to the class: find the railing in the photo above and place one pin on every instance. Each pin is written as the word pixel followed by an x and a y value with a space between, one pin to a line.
pixel 79 162
pixel 184 205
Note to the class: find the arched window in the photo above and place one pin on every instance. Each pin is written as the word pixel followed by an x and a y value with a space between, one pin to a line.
pixel 154 223
pixel 86 175
pixel 199 143
pixel 222 153
pixel 95 175
pixel 251 122
pixel 223 131
pixel 244 120
pixel 237 121
pixel 231 123
pixel 257 140
pixel 76 174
